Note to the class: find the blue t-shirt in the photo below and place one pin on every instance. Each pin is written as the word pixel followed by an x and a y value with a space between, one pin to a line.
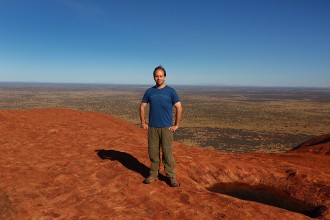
pixel 161 103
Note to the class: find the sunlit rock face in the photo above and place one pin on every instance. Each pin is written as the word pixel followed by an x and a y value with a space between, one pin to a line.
pixel 66 164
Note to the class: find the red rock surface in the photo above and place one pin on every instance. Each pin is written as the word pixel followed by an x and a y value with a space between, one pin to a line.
pixel 317 145
pixel 66 164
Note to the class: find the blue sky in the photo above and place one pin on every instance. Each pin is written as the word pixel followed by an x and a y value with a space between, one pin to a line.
pixel 225 42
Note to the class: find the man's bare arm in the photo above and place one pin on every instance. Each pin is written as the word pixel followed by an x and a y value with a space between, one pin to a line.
pixel 142 115
pixel 178 115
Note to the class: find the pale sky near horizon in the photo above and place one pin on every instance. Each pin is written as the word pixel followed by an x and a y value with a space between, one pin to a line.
pixel 217 42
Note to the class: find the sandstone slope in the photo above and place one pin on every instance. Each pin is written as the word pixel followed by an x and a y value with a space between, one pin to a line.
pixel 66 164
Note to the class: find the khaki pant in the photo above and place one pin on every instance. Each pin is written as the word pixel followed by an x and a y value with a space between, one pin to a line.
pixel 161 138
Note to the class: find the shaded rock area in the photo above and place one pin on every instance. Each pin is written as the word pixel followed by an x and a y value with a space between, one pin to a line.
pixel 67 164
pixel 317 145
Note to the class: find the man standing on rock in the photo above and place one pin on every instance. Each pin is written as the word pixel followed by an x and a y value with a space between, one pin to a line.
pixel 161 99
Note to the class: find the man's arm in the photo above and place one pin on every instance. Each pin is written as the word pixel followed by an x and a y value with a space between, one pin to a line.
pixel 142 115
pixel 178 114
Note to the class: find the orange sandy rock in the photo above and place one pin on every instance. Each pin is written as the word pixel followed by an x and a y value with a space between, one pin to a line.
pixel 67 164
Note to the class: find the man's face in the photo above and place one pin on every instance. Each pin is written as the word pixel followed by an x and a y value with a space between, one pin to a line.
pixel 159 77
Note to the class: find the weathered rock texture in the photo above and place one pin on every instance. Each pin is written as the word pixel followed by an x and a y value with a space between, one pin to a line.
pixel 66 164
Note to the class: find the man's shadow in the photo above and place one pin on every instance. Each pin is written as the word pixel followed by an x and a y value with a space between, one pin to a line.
pixel 127 161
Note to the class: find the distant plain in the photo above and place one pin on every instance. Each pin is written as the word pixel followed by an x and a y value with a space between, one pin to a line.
pixel 231 119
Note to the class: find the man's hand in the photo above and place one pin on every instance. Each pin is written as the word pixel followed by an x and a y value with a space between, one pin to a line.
pixel 144 126
pixel 173 128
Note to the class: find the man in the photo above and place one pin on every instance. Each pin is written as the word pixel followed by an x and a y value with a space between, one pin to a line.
pixel 161 99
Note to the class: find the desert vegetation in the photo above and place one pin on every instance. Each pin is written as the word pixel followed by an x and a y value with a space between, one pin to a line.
pixel 232 119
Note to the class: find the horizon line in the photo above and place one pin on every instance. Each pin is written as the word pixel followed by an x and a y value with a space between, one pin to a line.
pixel 176 84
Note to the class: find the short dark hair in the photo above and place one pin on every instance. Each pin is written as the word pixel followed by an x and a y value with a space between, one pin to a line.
pixel 160 68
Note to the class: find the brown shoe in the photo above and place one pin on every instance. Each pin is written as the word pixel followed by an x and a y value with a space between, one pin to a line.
pixel 173 182
pixel 150 179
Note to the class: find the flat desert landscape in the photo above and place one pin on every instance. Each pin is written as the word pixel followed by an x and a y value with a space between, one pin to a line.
pixel 230 119
pixel 70 151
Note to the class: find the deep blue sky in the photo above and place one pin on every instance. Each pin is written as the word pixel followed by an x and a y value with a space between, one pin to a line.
pixel 231 42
